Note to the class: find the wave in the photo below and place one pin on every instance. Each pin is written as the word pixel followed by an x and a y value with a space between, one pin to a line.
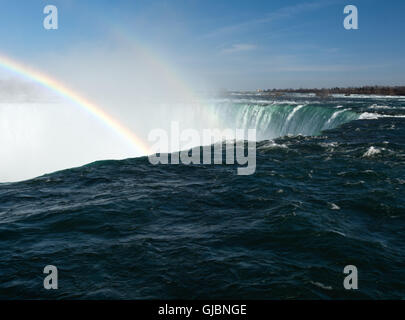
pixel 378 107
pixel 366 96
pixel 374 116
pixel 372 151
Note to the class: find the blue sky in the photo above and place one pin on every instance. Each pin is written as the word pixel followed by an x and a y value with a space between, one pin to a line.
pixel 227 44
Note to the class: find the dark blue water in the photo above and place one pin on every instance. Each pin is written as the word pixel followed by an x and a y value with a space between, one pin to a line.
pixel 318 201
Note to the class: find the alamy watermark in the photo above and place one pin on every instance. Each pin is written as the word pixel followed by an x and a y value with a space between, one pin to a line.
pixel 351 280
pixel 240 147
pixel 351 21
pixel 51 280
pixel 51 19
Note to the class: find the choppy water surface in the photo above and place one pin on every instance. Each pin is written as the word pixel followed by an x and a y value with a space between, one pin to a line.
pixel 328 192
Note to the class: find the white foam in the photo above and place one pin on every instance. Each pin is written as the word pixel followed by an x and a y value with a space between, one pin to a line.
pixel 321 285
pixel 334 206
pixel 253 101
pixel 271 145
pixel 374 116
pixel 375 106
pixel 366 96
pixel 294 111
pixel 371 152
pixel 368 116
pixel 335 114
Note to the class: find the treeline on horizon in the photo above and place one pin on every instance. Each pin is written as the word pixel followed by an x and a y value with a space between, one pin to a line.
pixel 376 90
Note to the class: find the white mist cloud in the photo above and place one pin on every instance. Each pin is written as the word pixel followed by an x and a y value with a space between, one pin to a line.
pixel 42 137
pixel 45 135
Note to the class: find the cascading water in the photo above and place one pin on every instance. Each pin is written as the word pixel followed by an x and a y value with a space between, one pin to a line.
pixel 42 137
pixel 280 119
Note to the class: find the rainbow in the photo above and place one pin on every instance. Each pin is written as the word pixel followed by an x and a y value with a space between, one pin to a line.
pixel 76 98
